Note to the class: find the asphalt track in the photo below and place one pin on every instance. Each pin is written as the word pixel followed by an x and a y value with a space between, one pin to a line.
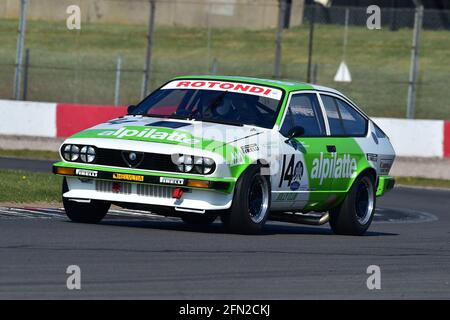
pixel 133 256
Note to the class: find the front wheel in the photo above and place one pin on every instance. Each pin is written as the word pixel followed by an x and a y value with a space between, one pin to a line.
pixel 251 203
pixel 354 215
pixel 89 212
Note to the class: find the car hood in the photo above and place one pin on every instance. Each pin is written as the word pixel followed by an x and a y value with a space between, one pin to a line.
pixel 170 131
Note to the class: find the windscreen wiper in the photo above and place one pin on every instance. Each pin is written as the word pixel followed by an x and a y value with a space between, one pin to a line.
pixel 168 116
pixel 222 122
pixel 151 115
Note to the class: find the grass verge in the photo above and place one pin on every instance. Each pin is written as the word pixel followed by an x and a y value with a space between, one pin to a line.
pixel 26 187
pixel 423 182
pixel 30 154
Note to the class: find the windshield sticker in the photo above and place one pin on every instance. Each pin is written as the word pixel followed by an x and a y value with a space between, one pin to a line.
pixel 247 88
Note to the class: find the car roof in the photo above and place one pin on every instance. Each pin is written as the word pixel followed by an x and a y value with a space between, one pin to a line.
pixel 287 85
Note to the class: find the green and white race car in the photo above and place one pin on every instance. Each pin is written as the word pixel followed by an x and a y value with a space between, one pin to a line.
pixel 241 148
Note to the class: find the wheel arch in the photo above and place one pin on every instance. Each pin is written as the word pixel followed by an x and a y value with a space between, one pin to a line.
pixel 265 168
pixel 369 171
pixel 240 171
pixel 366 171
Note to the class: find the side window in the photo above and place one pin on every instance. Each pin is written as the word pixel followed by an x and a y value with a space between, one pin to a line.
pixel 343 119
pixel 304 111
pixel 354 123
pixel 378 132
pixel 334 119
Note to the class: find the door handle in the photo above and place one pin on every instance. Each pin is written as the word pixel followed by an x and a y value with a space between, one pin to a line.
pixel 331 148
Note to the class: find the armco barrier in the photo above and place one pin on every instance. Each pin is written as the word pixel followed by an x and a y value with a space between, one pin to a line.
pixel 410 138
pixel 23 118
pixel 414 138
pixel 447 139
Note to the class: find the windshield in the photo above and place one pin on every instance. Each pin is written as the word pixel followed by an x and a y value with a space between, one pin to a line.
pixel 214 101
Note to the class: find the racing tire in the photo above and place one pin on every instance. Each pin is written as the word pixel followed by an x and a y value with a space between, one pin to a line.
pixel 92 212
pixel 354 215
pixel 199 219
pixel 251 203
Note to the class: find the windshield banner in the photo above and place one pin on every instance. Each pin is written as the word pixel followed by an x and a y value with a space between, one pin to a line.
pixel 226 86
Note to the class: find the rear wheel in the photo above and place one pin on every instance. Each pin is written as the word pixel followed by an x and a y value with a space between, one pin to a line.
pixel 199 219
pixel 354 215
pixel 92 212
pixel 251 203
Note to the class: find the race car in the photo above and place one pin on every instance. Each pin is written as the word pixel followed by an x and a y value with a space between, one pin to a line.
pixel 242 149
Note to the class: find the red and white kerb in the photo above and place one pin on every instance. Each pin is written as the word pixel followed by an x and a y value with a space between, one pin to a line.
pixel 226 86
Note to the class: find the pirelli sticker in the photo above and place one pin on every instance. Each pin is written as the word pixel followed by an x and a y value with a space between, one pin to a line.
pixel 86 173
pixel 128 177
pixel 171 181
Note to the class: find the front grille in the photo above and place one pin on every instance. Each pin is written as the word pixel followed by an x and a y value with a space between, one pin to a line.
pixel 142 160
pixel 150 161
pixel 154 191
pixel 107 186
pixel 143 190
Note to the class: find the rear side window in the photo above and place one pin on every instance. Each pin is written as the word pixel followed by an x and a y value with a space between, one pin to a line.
pixel 304 111
pixel 343 119
pixel 334 120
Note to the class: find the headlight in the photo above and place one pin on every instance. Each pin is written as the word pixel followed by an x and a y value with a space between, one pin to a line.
pixel 186 163
pixel 87 154
pixel 204 165
pixel 71 152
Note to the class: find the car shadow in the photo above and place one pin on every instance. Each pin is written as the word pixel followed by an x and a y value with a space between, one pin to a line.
pixel 271 228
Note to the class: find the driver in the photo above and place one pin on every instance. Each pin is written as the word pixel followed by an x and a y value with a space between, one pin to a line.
pixel 235 107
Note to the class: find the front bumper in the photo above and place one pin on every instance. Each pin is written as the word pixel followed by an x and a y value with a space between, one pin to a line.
pixel 385 183
pixel 87 182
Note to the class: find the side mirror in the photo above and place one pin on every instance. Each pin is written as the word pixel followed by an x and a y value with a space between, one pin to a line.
pixel 131 108
pixel 296 132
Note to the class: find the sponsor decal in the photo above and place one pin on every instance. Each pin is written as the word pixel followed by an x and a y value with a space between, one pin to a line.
pixel 236 159
pixel 295 185
pixel 151 134
pixel 287 196
pixel 334 167
pixel 171 180
pixel 298 171
pixel 86 173
pixel 250 148
pixel 128 177
pixel 246 88
pixel 291 173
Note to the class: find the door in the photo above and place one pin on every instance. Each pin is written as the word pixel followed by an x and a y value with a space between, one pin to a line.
pixel 346 126
pixel 302 154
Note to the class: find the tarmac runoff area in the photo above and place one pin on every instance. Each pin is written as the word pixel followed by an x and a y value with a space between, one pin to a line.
pixel 136 255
